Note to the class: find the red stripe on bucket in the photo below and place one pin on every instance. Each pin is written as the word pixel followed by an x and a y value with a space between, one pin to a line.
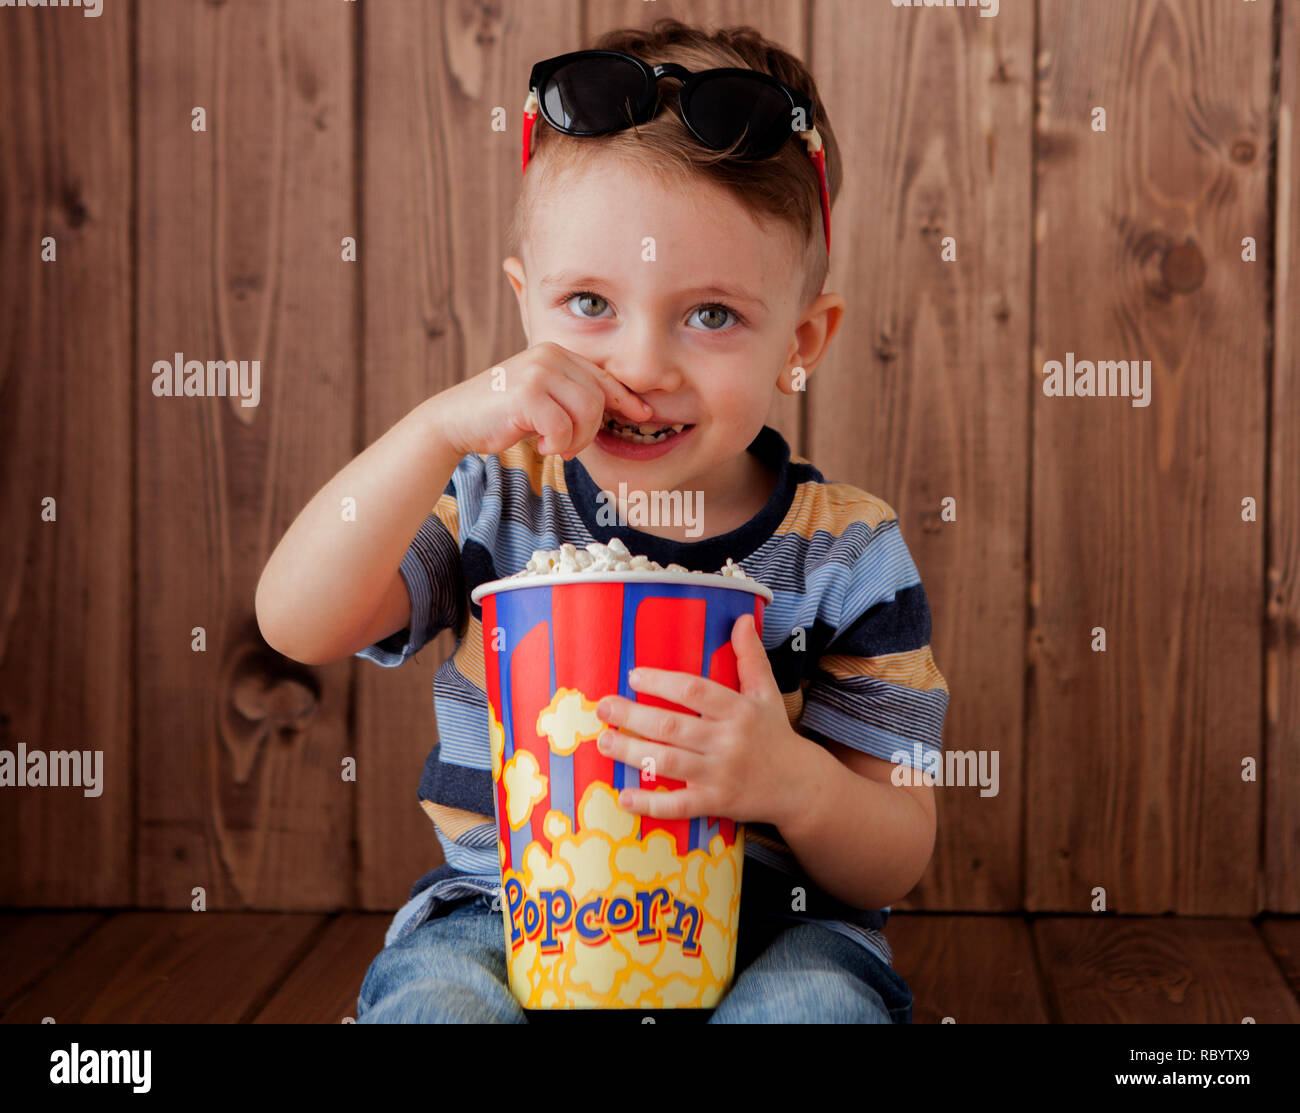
pixel 669 635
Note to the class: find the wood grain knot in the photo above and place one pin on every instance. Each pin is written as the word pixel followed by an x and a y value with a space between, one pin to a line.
pixel 1183 267
pixel 265 689
pixel 1244 151
pixel 73 209
pixel 285 702
pixel 884 348
pixel 242 284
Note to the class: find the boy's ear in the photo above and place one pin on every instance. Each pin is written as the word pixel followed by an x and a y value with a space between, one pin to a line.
pixel 514 269
pixel 812 336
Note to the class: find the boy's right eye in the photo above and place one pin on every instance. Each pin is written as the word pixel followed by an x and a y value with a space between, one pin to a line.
pixel 580 298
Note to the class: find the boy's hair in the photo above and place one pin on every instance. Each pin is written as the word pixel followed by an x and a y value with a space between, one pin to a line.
pixel 786 186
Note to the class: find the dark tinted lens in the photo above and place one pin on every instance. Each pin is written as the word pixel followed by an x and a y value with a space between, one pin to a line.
pixel 725 108
pixel 593 95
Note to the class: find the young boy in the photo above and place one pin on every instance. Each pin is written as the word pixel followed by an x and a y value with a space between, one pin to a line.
pixel 669 276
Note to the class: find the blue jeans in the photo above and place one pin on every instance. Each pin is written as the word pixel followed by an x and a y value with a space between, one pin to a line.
pixel 452 970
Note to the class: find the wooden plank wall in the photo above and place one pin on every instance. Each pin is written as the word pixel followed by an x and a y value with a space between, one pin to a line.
pixel 66 435
pixel 1120 770
pixel 1135 757
pixel 239 257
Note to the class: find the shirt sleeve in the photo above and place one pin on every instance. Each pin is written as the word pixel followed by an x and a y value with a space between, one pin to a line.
pixel 432 569
pixel 875 686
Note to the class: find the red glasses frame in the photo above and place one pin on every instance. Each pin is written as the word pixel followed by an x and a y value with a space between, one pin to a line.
pixel 811 138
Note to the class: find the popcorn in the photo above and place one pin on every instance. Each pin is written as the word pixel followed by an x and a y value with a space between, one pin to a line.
pixel 614 557
pixel 731 568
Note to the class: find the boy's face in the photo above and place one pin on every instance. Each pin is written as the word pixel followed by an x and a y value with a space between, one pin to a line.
pixel 707 358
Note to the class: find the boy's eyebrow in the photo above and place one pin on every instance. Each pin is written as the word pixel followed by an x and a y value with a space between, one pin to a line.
pixel 578 282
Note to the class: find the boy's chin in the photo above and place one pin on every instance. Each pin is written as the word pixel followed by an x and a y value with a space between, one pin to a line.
pixel 608 471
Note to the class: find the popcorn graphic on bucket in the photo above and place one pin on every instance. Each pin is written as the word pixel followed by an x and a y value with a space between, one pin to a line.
pixel 604 908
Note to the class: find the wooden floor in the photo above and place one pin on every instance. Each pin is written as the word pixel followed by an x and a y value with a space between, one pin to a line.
pixel 187 967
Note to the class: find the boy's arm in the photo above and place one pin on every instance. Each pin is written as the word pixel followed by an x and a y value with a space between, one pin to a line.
pixel 393 614
pixel 860 837
pixel 332 585
pixel 876 702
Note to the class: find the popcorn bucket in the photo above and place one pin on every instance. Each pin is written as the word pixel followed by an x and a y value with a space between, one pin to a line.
pixel 604 908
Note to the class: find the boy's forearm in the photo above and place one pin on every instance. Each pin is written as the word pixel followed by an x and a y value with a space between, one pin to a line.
pixel 326 577
pixel 864 842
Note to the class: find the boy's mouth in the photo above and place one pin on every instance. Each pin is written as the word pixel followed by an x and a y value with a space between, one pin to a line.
pixel 643 432
pixel 640 440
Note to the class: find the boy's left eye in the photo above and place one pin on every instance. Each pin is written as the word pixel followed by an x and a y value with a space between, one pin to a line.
pixel 714 311
pixel 718 311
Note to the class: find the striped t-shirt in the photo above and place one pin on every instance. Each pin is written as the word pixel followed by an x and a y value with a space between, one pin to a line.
pixel 847 634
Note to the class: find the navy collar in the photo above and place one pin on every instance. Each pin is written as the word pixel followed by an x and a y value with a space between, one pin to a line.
pixel 708 554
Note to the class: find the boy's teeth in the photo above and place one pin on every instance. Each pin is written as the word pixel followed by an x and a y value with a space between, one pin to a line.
pixel 641 433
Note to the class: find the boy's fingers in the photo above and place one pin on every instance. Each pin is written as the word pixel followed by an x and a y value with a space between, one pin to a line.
pixel 582 402
pixel 752 667
pixel 620 398
pixel 607 392
pixel 555 425
pixel 625 402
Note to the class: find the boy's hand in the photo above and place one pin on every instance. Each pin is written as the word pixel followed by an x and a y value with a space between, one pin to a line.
pixel 544 389
pixel 740 758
